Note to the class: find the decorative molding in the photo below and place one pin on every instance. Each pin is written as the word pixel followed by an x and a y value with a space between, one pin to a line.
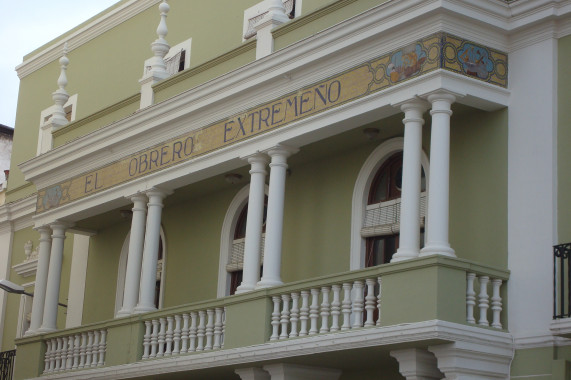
pixel 27 268
pixel 17 215
pixel 83 34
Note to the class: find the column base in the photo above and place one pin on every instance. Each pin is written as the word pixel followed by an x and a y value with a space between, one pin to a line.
pixel 42 330
pixel 245 288
pixel 123 313
pixel 404 254
pixel 143 309
pixel 30 332
pixel 268 283
pixel 443 250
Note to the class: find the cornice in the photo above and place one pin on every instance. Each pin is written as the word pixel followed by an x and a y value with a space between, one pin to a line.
pixel 83 35
pixel 17 215
pixel 27 268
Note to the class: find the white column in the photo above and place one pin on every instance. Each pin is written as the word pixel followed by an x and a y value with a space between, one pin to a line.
pixel 417 364
pixel 41 279
pixel 254 222
pixel 438 183
pixel 274 219
pixel 411 174
pixel 49 322
pixel 77 277
pixel 135 255
pixel 150 251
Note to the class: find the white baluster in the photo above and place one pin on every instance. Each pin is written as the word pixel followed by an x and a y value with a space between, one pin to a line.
pixel 304 313
pixel 335 308
pixel 496 303
pixel 176 336
pixel 76 350
pixel 82 350
pixel 285 316
pixel 275 319
pixel 169 336
pixel 89 349
pixel 484 301
pixel 379 302
pixel 53 355
pixel 294 315
pixel 218 328
pixel 370 302
pixel 223 328
pixel 162 337
pixel 201 330
pixel 154 338
pixel 102 348
pixel 69 361
pixel 47 356
pixel 95 349
pixel 63 365
pixel 185 331
pixel 346 305
pixel 325 310
pixel 470 297
pixel 358 304
pixel 193 331
pixel 314 311
pixel 58 355
pixel 147 340
pixel 209 329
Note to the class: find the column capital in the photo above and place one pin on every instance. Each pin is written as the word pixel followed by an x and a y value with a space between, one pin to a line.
pixel 137 197
pixel 157 192
pixel 413 104
pixel 61 226
pixel 441 102
pixel 258 157
pixel 282 150
pixel 43 229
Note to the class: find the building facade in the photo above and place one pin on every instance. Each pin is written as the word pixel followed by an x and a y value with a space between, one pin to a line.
pixel 300 189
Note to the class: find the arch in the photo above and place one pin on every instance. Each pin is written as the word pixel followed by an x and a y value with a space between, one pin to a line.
pixel 122 271
pixel 361 192
pixel 227 237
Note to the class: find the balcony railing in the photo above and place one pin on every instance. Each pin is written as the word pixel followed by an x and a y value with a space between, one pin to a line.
pixel 424 289
pixel 7 364
pixel 561 281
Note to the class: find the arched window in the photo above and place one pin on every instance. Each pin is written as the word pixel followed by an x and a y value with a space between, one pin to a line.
pixel 376 206
pixel 122 270
pixel 384 199
pixel 232 243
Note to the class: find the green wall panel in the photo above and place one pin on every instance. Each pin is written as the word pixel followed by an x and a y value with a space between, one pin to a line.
pixel 563 139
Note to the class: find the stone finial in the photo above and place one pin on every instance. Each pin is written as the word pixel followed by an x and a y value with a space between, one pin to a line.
pixel 60 96
pixel 277 11
pixel 160 47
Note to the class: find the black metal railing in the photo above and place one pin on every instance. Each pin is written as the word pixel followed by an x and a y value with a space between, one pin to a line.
pixel 562 281
pixel 7 364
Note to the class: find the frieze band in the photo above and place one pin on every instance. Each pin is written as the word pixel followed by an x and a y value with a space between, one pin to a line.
pixel 438 51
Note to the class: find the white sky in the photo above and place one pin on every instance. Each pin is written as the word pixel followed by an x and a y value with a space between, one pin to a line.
pixel 27 25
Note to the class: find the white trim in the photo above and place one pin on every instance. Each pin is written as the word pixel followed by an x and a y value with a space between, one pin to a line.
pixel 78 272
pixel 435 330
pixel 122 272
pixel 6 242
pixel 226 238
pixel 24 309
pixel 27 268
pixel 95 28
pixel 45 139
pixel 361 191
pixel 184 45
pixel 17 215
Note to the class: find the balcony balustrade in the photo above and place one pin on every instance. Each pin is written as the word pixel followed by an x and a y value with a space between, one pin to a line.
pixel 561 281
pixel 372 299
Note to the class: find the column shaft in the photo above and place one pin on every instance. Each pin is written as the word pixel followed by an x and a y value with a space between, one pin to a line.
pixel 438 185
pixel 150 252
pixel 254 223
pixel 41 280
pixel 135 255
pixel 274 219
pixel 411 175
pixel 49 322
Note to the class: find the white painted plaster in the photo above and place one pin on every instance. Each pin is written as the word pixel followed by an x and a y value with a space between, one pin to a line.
pixel 77 278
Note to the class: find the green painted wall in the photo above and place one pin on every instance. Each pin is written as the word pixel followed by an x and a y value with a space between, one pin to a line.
pixel 101 278
pixel 13 300
pixel 563 139
pixel 318 15
pixel 478 186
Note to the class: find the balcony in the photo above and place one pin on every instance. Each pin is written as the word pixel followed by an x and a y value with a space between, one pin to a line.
pixel 419 303
pixel 561 325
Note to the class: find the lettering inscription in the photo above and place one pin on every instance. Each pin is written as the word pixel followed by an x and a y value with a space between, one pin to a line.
pixel 375 75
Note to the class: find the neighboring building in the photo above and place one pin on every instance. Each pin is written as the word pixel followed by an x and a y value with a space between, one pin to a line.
pixel 6 134
pixel 313 189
